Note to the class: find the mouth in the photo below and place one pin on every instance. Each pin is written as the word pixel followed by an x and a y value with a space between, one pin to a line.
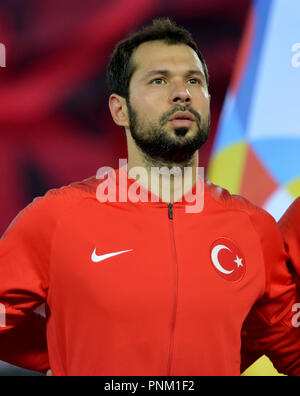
pixel 182 119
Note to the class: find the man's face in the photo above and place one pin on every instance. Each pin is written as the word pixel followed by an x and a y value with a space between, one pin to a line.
pixel 168 107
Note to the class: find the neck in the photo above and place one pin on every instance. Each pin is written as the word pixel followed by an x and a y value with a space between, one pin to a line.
pixel 169 181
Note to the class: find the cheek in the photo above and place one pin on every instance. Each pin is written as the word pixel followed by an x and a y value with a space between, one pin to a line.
pixel 205 93
pixel 199 94
pixel 203 101
pixel 150 95
pixel 148 107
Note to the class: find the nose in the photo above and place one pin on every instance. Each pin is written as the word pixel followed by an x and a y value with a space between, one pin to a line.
pixel 180 94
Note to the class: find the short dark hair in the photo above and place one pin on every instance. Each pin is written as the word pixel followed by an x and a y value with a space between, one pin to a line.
pixel 120 68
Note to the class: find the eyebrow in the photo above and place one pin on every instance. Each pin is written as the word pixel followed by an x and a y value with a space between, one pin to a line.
pixel 167 73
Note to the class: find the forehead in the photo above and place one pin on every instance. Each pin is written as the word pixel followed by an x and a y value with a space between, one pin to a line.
pixel 159 55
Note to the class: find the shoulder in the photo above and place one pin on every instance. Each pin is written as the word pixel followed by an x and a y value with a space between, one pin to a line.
pixel 233 202
pixel 44 211
pixel 266 229
pixel 289 226
pixel 291 218
pixel 67 196
pixel 261 220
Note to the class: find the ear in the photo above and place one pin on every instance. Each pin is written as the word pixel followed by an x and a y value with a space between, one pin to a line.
pixel 118 110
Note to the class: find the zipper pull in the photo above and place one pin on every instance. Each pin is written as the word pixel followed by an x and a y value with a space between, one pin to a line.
pixel 171 211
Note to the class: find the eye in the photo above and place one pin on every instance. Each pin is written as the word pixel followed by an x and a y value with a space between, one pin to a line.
pixel 194 81
pixel 158 81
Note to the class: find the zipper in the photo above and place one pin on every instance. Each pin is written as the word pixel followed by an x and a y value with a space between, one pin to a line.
pixel 173 323
pixel 171 211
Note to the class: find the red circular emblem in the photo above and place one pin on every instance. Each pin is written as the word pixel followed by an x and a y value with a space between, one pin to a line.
pixel 228 260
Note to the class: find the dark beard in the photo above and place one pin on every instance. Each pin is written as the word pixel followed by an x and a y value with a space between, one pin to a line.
pixel 159 146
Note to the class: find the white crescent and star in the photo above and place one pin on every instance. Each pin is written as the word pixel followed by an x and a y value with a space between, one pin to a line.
pixel 215 259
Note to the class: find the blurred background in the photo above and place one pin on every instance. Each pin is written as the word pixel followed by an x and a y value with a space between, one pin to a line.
pixel 55 125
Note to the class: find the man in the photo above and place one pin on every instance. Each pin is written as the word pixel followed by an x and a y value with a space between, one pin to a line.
pixel 148 277
pixel 290 228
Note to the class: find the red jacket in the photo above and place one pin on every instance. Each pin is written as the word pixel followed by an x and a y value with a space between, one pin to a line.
pixel 26 345
pixel 146 288
pixel 290 228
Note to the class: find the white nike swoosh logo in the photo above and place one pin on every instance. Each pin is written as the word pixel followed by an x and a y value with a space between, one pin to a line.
pixel 97 259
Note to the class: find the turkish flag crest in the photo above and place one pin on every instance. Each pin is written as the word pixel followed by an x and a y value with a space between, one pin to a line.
pixel 228 260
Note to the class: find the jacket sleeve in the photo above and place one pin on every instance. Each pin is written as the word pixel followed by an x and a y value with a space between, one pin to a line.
pixel 26 345
pixel 269 328
pixel 24 276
